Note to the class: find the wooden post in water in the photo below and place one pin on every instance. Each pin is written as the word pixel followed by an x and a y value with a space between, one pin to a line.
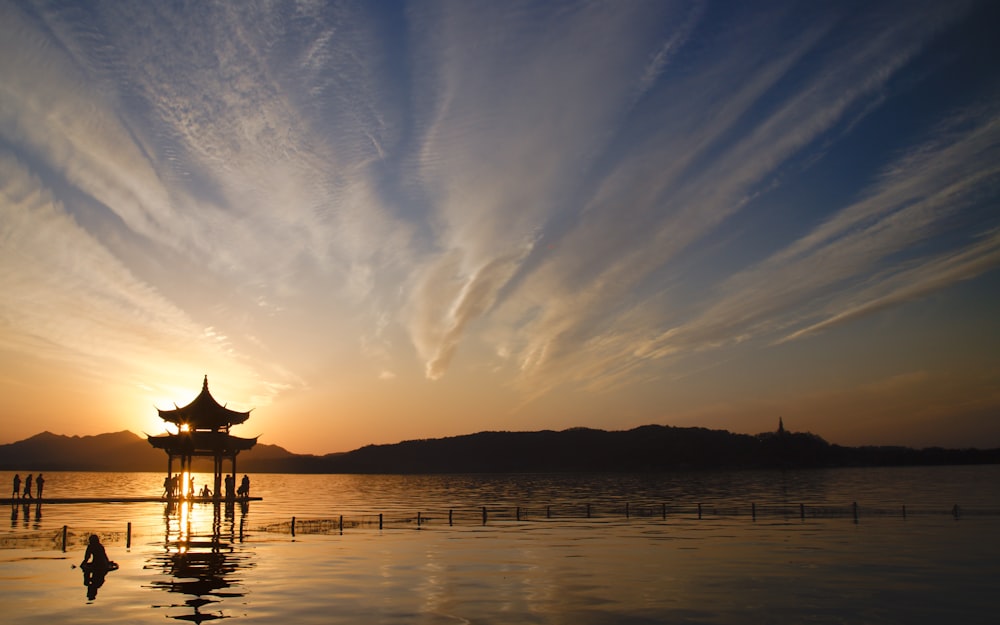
pixel 64 539
pixel 904 510
pixel 449 518
pixel 418 520
pixel 128 536
pixel 293 526
pixel 342 525
pixel 627 515
pixel 699 510
pixel 518 513
pixel 380 520
pixel 854 509
pixel 753 511
pixel 484 515
pixel 548 512
pixel 956 511
pixel 664 511
pixel 802 511
pixel 588 510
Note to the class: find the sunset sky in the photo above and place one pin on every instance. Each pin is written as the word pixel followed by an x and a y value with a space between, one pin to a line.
pixel 378 221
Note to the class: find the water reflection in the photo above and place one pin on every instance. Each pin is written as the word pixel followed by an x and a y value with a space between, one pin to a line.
pixel 93 579
pixel 27 510
pixel 201 561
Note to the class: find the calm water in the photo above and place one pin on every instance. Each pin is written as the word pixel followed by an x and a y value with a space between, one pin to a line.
pixel 642 555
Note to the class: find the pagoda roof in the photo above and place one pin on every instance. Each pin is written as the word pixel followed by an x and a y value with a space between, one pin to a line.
pixel 204 413
pixel 201 443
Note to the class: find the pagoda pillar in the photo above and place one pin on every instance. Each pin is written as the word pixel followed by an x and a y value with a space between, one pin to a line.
pixel 217 475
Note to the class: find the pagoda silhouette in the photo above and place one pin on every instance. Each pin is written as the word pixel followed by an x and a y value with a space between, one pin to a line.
pixel 203 431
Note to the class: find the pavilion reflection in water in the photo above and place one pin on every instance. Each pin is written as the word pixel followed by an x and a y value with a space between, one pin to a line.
pixel 203 561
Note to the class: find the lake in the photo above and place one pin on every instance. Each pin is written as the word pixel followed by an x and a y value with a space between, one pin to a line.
pixel 884 545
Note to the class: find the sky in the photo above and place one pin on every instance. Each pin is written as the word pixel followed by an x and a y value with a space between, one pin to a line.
pixel 370 222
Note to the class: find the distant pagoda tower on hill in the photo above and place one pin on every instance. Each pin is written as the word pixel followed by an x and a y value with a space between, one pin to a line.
pixel 202 431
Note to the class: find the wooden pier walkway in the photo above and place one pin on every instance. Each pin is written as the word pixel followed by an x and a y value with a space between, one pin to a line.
pixel 66 500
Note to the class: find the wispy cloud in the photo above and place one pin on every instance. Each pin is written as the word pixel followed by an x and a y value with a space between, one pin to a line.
pixel 594 194
pixel 67 298
pixel 596 314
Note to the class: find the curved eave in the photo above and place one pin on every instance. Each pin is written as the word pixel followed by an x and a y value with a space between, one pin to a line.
pixel 204 412
pixel 201 442
pixel 160 442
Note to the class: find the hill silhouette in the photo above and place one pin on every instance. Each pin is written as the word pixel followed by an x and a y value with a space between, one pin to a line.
pixel 117 451
pixel 643 449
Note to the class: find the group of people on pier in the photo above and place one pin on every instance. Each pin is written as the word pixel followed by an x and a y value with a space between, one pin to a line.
pixel 26 494
pixel 172 488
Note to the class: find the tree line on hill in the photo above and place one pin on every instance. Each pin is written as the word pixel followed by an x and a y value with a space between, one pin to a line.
pixel 644 449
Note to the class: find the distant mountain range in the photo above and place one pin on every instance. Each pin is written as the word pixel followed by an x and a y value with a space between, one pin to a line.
pixel 647 448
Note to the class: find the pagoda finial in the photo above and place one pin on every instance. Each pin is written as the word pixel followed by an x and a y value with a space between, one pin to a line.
pixel 204 385
pixel 781 423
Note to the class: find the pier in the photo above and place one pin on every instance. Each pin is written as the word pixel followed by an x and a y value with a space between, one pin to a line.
pixel 71 500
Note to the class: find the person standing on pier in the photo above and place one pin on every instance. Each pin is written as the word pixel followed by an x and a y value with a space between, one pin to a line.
pixel 27 487
pixel 244 490
pixel 39 485
pixel 17 486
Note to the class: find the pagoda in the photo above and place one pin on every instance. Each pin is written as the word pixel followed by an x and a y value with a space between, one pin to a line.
pixel 202 431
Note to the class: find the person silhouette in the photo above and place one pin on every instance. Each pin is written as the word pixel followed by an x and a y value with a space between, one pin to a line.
pixel 244 490
pixel 27 487
pixel 17 486
pixel 39 485
pixel 95 566
pixel 230 486
pixel 95 556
